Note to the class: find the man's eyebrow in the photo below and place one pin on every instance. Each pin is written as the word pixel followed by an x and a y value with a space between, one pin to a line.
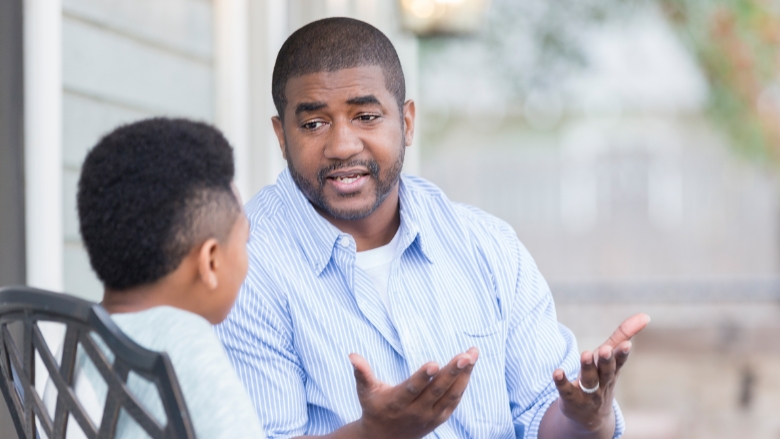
pixel 306 107
pixel 364 100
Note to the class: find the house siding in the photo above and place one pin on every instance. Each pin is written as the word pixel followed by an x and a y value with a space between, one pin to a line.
pixel 123 61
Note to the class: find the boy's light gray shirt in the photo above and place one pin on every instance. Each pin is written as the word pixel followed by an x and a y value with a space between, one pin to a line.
pixel 217 401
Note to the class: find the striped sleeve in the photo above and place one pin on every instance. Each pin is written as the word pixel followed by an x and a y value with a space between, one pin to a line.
pixel 537 345
pixel 257 336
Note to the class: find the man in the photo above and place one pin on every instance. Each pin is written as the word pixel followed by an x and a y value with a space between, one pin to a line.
pixel 350 262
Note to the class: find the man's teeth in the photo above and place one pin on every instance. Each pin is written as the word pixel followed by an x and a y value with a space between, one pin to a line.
pixel 347 179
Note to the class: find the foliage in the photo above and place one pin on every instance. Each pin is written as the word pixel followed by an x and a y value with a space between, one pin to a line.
pixel 527 44
pixel 537 44
pixel 737 43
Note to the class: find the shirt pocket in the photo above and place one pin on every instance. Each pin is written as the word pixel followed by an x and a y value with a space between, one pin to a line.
pixel 489 340
pixel 484 409
pixel 488 377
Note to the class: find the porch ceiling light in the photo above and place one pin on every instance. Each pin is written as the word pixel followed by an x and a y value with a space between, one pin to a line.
pixel 443 17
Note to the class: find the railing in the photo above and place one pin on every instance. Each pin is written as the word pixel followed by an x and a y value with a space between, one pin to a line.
pixel 677 291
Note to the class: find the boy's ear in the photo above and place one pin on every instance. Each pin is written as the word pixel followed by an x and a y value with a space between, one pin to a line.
pixel 208 263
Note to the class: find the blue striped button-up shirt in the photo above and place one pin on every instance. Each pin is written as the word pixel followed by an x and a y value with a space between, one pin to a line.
pixel 460 278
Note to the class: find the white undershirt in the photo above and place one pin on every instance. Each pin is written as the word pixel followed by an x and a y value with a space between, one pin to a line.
pixel 376 263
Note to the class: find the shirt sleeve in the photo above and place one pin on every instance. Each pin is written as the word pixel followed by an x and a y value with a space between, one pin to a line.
pixel 258 339
pixel 537 345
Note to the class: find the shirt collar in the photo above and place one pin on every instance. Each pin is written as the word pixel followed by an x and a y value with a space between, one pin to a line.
pixel 318 237
pixel 414 224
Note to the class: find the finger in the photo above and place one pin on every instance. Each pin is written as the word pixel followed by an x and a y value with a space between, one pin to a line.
pixel 589 374
pixel 629 328
pixel 364 377
pixel 621 354
pixel 451 398
pixel 444 379
pixel 565 387
pixel 409 390
pixel 606 366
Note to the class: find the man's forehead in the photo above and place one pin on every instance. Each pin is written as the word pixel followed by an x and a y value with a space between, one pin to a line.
pixel 344 83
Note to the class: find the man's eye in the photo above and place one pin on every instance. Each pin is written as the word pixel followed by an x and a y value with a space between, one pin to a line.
pixel 367 117
pixel 313 125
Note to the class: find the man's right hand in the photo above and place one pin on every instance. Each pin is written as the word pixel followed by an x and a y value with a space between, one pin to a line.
pixel 415 407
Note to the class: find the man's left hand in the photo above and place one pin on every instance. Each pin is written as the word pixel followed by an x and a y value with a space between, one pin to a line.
pixel 587 401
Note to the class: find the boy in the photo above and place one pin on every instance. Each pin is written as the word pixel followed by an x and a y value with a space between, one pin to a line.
pixel 166 234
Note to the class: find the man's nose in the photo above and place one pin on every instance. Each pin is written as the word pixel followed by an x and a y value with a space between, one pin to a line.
pixel 343 142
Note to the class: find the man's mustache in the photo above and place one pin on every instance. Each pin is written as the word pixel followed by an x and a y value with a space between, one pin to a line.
pixel 371 165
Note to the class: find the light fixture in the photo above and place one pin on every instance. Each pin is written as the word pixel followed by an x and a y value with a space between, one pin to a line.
pixel 443 17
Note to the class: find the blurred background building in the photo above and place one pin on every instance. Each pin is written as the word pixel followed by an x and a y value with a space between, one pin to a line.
pixel 633 146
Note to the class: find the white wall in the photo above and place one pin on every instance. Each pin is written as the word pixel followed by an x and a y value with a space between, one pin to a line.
pixel 122 61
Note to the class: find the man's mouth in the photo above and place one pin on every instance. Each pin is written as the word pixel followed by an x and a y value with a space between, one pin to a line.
pixel 347 178
pixel 348 181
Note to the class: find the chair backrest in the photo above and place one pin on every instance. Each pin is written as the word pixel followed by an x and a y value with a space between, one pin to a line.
pixel 25 308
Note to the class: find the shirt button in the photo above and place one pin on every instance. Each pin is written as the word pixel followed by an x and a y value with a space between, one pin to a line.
pixel 344 241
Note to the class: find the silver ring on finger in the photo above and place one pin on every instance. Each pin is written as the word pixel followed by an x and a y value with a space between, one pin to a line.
pixel 586 390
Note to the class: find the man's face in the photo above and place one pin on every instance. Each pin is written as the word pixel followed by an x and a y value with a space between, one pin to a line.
pixel 344 137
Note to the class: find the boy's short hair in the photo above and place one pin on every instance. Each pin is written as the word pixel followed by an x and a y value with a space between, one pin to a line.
pixel 149 193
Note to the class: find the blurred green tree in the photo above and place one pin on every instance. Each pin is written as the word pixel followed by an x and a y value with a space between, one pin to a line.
pixel 533 44
pixel 737 43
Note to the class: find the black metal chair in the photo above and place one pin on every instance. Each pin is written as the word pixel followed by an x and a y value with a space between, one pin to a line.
pixel 25 307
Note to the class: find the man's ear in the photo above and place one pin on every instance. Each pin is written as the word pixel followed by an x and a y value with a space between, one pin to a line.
pixel 409 114
pixel 279 131
pixel 209 263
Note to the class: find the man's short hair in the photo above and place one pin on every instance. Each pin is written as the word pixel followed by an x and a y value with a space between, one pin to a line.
pixel 149 193
pixel 333 44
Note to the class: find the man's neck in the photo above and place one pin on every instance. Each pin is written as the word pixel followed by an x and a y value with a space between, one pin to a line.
pixel 375 230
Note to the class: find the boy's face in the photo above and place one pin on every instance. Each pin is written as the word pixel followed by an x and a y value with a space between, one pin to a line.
pixel 234 269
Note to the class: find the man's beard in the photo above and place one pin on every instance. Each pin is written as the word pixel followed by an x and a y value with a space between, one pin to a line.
pixel 315 190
